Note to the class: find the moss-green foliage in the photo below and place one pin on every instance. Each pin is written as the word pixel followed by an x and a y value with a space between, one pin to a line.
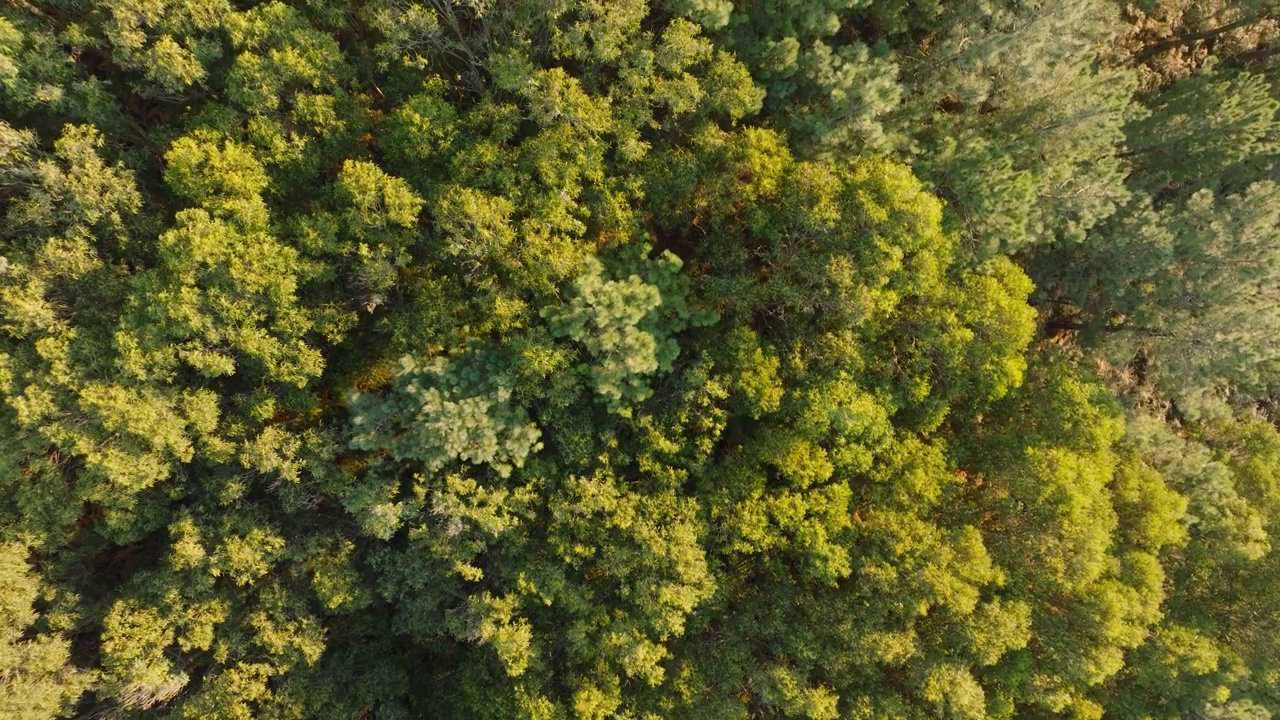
pixel 447 410
pixel 38 680
pixel 1002 106
pixel 585 360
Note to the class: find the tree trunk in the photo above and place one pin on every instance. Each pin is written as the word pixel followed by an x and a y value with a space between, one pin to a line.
pixel 1180 40
pixel 1262 52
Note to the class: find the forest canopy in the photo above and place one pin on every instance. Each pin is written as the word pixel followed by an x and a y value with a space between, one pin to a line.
pixel 640 359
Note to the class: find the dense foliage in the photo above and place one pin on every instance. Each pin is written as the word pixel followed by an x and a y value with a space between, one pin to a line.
pixel 594 359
